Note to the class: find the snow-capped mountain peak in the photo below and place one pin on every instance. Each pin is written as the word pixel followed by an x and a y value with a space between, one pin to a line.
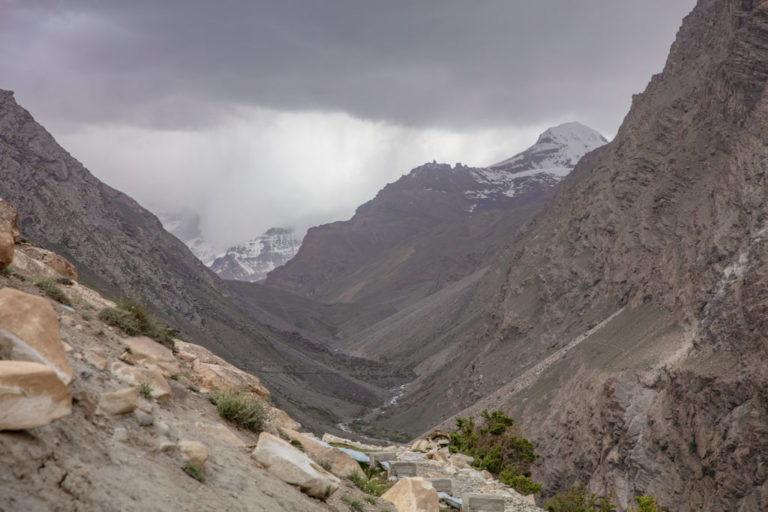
pixel 253 260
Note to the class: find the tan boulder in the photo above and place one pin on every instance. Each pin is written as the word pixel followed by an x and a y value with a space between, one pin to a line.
pixel 420 445
pixel 294 467
pixel 135 376
pixel 120 402
pixel 7 248
pixel 29 331
pixel 31 395
pixel 338 462
pixel 9 219
pixel 220 432
pixel 460 460
pixel 96 357
pixel 30 267
pixel 211 377
pixel 413 495
pixel 55 261
pixel 280 419
pixel 150 354
pixel 190 352
pixel 194 452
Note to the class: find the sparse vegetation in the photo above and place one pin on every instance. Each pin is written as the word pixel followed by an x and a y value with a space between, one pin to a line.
pixel 371 499
pixel 372 481
pixel 297 444
pixel 353 503
pixel 194 471
pixel 65 281
pixel 498 448
pixel 646 504
pixel 576 499
pixel 51 290
pixel 241 408
pixel 145 390
pixel 133 319
pixel 325 465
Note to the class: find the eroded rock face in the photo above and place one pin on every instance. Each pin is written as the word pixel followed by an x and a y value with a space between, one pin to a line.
pixel 31 395
pixel 58 263
pixel 413 495
pixel 294 467
pixel 29 331
pixel 211 377
pixel 150 354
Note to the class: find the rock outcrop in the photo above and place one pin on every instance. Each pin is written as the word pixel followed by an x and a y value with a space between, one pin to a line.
pixel 294 467
pixel 31 395
pixel 9 233
pixel 413 495
pixel 29 331
pixel 150 354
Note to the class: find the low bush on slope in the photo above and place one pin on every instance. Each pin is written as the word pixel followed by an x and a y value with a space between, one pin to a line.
pixel 497 447
pixel 241 408
pixel 133 319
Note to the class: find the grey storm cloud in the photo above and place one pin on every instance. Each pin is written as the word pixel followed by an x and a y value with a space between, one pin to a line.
pixel 260 113
pixel 446 63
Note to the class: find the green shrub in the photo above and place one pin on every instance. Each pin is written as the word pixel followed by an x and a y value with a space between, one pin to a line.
pixel 49 287
pixel 65 281
pixel 133 319
pixel 194 471
pixel 373 482
pixel 297 444
pixel 353 503
pixel 241 408
pixel 646 504
pixel 497 447
pixel 145 390
pixel 576 499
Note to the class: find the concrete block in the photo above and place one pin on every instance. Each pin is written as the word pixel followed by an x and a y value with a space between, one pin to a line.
pixel 379 457
pixel 403 469
pixel 482 503
pixel 442 484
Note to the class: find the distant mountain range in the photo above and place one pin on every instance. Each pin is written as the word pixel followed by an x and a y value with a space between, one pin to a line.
pixel 250 261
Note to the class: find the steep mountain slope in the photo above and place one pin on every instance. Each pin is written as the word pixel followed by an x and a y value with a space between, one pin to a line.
pixel 254 260
pixel 431 227
pixel 628 334
pixel 122 249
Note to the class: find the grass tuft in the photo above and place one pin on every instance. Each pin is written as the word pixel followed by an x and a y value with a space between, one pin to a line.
pixel 145 390
pixel 194 471
pixel 354 505
pixel 241 408
pixel 133 319
pixel 51 290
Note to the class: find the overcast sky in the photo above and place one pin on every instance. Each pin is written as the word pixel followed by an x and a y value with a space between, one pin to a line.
pixel 293 112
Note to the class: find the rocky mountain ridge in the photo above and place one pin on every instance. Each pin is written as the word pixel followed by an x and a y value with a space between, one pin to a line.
pixel 253 260
pixel 431 227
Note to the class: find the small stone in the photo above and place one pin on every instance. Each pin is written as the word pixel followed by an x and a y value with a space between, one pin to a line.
pixel 144 419
pixel 165 446
pixel 120 435
pixel 85 374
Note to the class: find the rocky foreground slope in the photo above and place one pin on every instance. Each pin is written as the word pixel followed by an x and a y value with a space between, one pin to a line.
pixel 93 419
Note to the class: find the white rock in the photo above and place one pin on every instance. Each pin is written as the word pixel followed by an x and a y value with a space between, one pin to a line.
pixel 294 467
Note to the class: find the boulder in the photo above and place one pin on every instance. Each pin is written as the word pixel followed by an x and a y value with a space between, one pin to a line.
pixel 135 376
pixel 58 263
pixel 29 331
pixel 9 219
pixel 211 377
pixel 294 467
pixel 31 395
pixel 338 462
pixel 190 352
pixel 461 461
pixel 280 419
pixel 220 432
pixel 420 445
pixel 96 357
pixel 7 249
pixel 413 495
pixel 120 402
pixel 150 354
pixel 194 452
pixel 30 267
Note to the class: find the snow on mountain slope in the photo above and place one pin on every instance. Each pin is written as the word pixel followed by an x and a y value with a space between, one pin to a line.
pixel 253 260
pixel 186 227
pixel 554 155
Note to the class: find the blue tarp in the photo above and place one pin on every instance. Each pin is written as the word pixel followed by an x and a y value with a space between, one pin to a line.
pixel 358 456
pixel 450 500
